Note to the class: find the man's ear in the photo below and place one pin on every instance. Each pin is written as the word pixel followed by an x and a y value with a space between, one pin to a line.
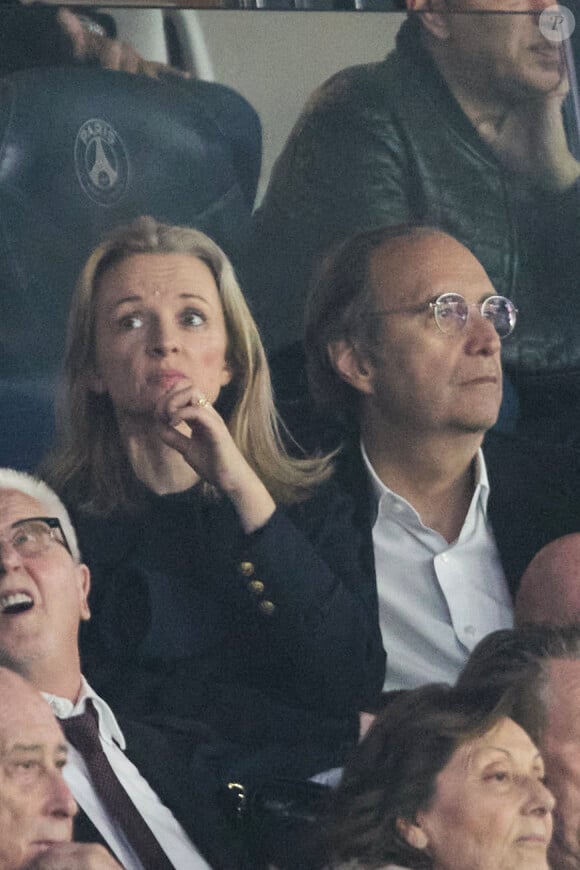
pixel 352 366
pixel 84 576
pixel 433 16
pixel 413 834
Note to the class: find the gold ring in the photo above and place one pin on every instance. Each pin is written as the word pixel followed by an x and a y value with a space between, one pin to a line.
pixel 201 402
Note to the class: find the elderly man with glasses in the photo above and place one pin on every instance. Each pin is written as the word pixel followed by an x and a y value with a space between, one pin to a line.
pixel 404 330
pixel 137 793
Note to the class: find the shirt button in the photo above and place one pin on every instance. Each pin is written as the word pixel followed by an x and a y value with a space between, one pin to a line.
pixel 256 586
pixel 266 608
pixel 444 557
pixel 469 629
pixel 246 569
pixel 398 508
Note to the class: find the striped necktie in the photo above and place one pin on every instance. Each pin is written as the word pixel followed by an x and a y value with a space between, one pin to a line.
pixel 83 733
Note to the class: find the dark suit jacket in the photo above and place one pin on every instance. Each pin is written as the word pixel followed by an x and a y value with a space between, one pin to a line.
pixel 534 490
pixel 279 645
pixel 186 787
pixel 534 498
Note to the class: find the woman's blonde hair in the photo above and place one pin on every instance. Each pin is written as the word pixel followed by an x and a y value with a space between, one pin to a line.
pixel 90 466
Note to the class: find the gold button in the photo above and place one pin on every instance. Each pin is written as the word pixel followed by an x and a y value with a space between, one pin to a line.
pixel 246 569
pixel 256 586
pixel 267 607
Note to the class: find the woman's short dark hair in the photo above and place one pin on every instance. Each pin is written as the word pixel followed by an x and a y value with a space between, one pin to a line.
pixel 392 774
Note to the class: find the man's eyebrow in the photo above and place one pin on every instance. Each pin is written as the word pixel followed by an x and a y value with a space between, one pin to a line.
pixel 27 747
pixel 36 747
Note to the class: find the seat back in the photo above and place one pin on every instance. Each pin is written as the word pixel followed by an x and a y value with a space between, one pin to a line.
pixel 83 150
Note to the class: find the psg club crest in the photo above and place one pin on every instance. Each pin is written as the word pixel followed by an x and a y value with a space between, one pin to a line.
pixel 101 162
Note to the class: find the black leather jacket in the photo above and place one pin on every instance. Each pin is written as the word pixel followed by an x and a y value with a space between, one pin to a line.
pixel 386 143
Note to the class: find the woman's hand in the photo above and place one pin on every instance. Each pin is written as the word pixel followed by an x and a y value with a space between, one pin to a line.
pixel 210 450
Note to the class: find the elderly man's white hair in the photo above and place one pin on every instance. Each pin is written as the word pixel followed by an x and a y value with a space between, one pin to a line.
pixel 39 490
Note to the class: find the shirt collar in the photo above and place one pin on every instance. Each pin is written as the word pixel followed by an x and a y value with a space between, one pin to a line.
pixel 379 489
pixel 481 479
pixel 63 708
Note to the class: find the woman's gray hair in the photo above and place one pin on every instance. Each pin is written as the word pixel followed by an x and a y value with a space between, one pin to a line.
pixel 37 489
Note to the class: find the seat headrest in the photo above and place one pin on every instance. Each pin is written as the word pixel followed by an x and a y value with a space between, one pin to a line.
pixel 83 150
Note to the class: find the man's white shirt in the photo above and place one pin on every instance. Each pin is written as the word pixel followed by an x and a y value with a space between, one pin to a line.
pixel 436 600
pixel 169 833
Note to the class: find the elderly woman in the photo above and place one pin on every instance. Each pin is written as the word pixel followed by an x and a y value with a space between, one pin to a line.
pixel 442 781
pixel 226 583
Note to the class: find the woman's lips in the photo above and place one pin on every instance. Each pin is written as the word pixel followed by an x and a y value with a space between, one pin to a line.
pixel 165 379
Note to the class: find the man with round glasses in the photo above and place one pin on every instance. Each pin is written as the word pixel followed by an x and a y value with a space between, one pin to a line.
pixel 462 125
pixel 451 311
pixel 403 337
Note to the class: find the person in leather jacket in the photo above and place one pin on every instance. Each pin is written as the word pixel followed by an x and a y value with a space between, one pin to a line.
pixel 460 127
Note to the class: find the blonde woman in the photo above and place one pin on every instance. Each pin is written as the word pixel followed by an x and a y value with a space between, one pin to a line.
pixel 226 577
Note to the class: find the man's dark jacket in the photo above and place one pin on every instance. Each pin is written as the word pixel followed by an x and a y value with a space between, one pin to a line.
pixel 387 143
pixel 184 783
pixel 533 499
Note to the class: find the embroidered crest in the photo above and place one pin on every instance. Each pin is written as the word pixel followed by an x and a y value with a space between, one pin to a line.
pixel 101 162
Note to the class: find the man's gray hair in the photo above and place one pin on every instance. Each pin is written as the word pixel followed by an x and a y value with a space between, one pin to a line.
pixel 39 490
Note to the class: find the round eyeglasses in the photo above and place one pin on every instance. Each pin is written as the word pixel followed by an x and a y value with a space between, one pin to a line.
pixel 451 311
pixel 32 536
